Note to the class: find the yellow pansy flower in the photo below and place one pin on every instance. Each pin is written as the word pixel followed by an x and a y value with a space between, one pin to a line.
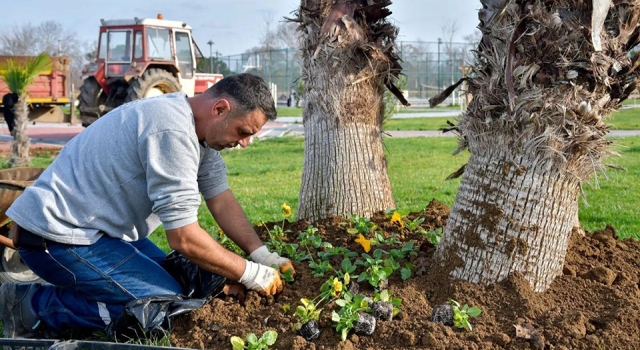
pixel 337 287
pixel 365 243
pixel 397 218
pixel 286 210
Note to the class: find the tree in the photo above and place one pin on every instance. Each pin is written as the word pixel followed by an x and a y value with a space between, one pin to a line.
pixel 52 38
pixel 19 76
pixel 546 73
pixel 348 54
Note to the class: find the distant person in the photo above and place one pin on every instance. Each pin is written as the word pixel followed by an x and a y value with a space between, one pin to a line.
pixel 9 101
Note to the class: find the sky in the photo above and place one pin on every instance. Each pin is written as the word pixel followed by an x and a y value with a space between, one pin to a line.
pixel 233 25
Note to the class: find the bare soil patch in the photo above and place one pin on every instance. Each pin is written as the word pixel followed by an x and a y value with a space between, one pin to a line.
pixel 594 305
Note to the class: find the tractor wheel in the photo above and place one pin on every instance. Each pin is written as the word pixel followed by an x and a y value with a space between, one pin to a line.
pixel 92 96
pixel 154 82
pixel 13 269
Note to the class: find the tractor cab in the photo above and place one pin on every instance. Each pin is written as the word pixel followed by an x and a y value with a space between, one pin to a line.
pixel 139 58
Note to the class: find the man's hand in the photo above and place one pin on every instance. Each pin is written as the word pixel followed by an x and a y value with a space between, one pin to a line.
pixel 264 257
pixel 261 278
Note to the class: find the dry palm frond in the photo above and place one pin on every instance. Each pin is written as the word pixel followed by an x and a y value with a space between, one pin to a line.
pixel 356 30
pixel 546 77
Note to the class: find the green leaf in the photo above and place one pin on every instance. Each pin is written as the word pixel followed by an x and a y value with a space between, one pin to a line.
pixel 252 338
pixel 384 295
pixel 335 317
pixel 352 231
pixel 474 312
pixel 343 336
pixel 405 274
pixel 270 337
pixel 237 343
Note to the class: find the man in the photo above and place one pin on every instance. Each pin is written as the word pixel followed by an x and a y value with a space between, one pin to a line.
pixel 8 102
pixel 83 225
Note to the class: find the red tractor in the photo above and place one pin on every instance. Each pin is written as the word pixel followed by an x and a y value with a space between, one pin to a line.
pixel 140 58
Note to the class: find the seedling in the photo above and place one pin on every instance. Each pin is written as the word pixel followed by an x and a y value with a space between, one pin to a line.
pixel 433 236
pixel 308 314
pixel 253 343
pixel 378 238
pixel 320 267
pixel 375 269
pixel 351 314
pixel 291 250
pixel 286 275
pixel 359 224
pixel 407 270
pixel 462 314
pixel 335 251
pixel 309 237
pixel 347 268
pixel 384 307
pixel 413 225
pixel 406 250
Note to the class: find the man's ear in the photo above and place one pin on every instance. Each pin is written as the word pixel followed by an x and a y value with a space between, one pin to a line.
pixel 220 108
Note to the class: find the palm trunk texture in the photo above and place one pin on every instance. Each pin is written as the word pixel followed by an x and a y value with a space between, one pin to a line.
pixel 348 58
pixel 546 73
pixel 20 143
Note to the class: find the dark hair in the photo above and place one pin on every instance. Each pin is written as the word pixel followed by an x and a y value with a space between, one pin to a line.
pixel 248 91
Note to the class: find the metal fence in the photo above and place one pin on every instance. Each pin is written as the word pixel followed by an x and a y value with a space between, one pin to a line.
pixel 429 67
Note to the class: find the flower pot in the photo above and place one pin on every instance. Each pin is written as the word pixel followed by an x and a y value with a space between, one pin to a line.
pixel 382 311
pixel 310 331
pixel 366 324
pixel 443 314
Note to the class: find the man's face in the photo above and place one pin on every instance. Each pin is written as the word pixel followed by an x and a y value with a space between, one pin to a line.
pixel 227 132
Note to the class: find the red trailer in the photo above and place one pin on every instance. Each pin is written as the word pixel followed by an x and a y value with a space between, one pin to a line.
pixel 49 91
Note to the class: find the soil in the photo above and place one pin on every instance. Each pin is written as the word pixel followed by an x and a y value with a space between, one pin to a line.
pixel 594 305
pixel 35 149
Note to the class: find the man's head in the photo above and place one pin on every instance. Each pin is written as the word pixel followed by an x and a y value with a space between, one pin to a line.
pixel 231 111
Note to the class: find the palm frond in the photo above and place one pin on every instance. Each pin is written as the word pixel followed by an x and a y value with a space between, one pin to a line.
pixel 19 76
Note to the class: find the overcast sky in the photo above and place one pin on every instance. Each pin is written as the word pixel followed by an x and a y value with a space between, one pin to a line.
pixel 234 25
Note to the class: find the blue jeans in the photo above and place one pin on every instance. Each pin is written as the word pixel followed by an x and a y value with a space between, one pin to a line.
pixel 90 285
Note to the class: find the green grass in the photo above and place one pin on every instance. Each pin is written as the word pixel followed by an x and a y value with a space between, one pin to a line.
pixel 624 119
pixel 420 124
pixel 268 173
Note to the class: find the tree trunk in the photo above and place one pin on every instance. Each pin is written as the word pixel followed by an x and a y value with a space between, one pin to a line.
pixel 348 59
pixel 20 143
pixel 345 171
pixel 545 75
pixel 511 214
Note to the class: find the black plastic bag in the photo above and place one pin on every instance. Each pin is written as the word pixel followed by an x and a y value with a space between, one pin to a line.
pixel 150 318
pixel 195 282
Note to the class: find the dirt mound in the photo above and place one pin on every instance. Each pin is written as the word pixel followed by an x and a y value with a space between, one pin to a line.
pixel 594 305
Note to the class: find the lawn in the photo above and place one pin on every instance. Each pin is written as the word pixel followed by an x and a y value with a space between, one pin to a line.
pixel 624 119
pixel 268 173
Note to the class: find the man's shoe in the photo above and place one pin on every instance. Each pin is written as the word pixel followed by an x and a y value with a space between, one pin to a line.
pixel 15 302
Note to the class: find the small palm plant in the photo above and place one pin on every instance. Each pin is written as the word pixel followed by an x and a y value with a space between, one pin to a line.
pixel 19 76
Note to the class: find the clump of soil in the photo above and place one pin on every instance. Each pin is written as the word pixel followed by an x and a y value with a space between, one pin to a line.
pixel 594 305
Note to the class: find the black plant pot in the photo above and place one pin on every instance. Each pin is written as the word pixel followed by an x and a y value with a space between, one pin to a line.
pixel 366 324
pixel 443 314
pixel 310 331
pixel 382 311
pixel 354 287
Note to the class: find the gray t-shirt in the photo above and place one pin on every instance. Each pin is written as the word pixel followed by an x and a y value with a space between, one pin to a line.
pixel 136 167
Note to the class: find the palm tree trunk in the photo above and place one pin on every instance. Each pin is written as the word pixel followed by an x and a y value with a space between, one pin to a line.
pixel 545 76
pixel 348 59
pixel 512 213
pixel 20 144
pixel 345 171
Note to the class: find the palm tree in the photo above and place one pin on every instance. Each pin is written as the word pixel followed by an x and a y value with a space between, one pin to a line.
pixel 546 74
pixel 348 57
pixel 18 78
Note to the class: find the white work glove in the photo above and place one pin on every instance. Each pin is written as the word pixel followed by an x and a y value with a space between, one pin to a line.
pixel 263 279
pixel 264 257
